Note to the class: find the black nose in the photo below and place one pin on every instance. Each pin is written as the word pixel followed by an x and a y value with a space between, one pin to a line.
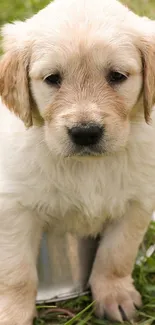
pixel 86 134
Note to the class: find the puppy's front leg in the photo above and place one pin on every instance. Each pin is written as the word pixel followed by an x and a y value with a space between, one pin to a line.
pixel 111 280
pixel 20 234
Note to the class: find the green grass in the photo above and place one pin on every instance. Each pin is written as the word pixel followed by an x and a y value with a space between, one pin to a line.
pixel 17 9
pixel 144 273
pixel 142 7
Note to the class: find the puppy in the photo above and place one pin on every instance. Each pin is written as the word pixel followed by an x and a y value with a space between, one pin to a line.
pixel 77 146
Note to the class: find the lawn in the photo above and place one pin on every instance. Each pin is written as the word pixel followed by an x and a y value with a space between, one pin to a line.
pixel 144 272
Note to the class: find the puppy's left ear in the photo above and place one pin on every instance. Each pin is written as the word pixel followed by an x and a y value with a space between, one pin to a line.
pixel 14 87
pixel 14 80
pixel 147 49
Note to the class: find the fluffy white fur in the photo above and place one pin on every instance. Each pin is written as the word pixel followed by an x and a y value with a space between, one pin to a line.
pixel 42 182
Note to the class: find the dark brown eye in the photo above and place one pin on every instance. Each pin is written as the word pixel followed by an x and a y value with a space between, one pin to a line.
pixel 54 80
pixel 115 77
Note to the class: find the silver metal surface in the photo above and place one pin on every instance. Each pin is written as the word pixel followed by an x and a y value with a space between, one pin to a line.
pixel 64 266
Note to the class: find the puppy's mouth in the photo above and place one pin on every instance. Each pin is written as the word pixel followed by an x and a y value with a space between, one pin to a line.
pixel 86 151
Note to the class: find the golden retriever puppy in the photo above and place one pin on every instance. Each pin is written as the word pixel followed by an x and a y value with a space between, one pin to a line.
pixel 77 146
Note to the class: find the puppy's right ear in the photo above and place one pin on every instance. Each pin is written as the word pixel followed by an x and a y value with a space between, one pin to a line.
pixel 148 60
pixel 147 51
pixel 14 81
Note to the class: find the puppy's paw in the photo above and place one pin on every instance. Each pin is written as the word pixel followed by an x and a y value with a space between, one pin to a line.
pixel 16 312
pixel 115 298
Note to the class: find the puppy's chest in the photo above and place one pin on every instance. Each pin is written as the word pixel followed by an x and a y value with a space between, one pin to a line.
pixel 81 199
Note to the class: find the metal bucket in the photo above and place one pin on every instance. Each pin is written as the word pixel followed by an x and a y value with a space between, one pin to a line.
pixel 64 266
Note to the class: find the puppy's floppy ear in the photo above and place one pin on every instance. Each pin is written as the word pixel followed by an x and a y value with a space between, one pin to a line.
pixel 148 58
pixel 14 87
pixel 147 48
pixel 14 82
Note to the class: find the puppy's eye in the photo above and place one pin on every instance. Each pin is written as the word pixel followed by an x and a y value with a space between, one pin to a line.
pixel 115 77
pixel 54 80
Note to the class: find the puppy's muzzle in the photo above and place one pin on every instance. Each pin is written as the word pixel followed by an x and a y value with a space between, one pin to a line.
pixel 86 134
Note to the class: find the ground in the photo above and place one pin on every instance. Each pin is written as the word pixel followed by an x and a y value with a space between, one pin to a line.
pixel 80 311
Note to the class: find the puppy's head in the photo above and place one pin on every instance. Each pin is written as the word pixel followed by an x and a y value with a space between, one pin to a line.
pixel 87 68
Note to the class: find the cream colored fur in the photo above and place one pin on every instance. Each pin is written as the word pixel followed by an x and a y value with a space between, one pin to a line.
pixel 43 180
